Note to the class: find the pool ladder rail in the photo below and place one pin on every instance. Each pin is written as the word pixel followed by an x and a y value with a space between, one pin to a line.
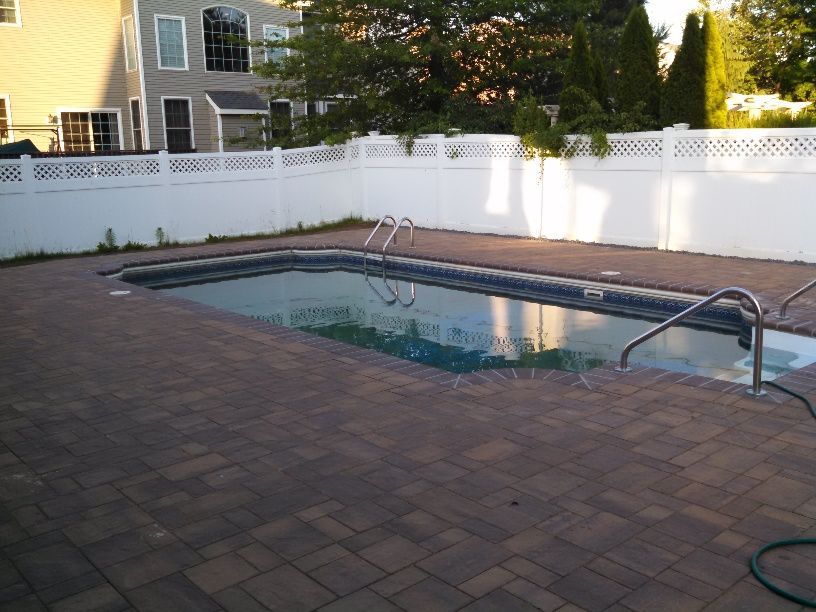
pixel 392 237
pixel 782 315
pixel 756 385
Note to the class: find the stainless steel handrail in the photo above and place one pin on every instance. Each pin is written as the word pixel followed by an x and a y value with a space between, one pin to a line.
pixel 394 236
pixel 756 388
pixel 371 235
pixel 783 309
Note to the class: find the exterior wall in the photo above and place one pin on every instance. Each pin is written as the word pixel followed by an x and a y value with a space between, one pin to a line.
pixel 53 62
pixel 231 126
pixel 133 85
pixel 196 80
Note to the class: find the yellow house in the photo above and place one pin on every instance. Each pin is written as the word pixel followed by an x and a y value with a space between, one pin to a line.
pixel 134 74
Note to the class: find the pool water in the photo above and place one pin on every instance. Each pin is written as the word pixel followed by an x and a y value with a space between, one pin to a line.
pixel 461 330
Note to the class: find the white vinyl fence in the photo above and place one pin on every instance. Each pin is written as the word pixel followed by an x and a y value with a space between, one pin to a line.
pixel 727 192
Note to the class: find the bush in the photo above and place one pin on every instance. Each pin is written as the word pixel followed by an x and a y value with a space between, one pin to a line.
pixel 638 81
pixel 683 97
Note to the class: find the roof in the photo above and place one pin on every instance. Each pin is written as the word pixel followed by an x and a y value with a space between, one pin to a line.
pixel 236 102
pixel 21 147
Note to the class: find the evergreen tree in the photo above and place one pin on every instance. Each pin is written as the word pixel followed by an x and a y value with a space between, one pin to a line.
pixel 715 113
pixel 638 82
pixel 579 66
pixel 579 74
pixel 683 97
pixel 599 78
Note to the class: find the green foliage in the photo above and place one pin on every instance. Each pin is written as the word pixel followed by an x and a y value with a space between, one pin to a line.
pixel 683 96
pixel 212 239
pixel 737 63
pixel 779 38
pixel 638 81
pixel 771 119
pixel 108 245
pixel 133 245
pixel 715 93
pixel 540 138
pixel 575 102
pixel 580 69
pixel 599 80
pixel 162 239
pixel 430 66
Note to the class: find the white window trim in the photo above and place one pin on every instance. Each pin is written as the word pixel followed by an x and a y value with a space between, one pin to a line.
pixel 183 21
pixel 132 132
pixel 19 22
pixel 204 45
pixel 135 66
pixel 140 56
pixel 278 27
pixel 72 109
pixel 7 98
pixel 164 118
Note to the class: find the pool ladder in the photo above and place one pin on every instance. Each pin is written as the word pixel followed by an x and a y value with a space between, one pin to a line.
pixel 783 309
pixel 392 237
pixel 756 385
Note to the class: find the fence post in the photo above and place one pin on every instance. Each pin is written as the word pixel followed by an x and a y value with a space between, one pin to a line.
pixel 283 215
pixel 164 166
pixel 440 162
pixel 362 173
pixel 666 178
pixel 27 173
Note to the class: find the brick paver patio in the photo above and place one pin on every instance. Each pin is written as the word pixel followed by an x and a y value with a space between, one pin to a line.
pixel 161 455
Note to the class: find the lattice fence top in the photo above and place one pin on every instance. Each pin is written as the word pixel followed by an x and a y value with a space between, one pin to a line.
pixel 354 151
pixel 225 163
pixel 397 151
pixel 501 150
pixel 93 169
pixel 773 147
pixel 623 148
pixel 10 173
pixel 318 156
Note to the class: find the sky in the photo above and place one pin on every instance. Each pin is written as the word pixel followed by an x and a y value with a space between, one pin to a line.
pixel 672 13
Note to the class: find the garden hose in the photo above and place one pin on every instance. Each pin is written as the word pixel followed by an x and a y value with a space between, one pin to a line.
pixel 783 543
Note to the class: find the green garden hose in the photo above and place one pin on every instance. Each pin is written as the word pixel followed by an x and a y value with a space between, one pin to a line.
pixel 781 543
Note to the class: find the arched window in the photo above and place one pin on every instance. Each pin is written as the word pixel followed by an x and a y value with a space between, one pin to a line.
pixel 221 24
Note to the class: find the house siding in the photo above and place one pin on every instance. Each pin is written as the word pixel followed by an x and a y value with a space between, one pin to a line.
pixel 196 80
pixel 46 64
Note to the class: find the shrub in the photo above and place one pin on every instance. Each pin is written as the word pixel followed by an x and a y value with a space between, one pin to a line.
pixel 638 80
pixel 715 109
pixel 683 97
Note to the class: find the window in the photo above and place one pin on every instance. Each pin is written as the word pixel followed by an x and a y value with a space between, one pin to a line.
pixel 9 12
pixel 130 43
pixel 275 33
pixel 5 113
pixel 136 123
pixel 90 131
pixel 178 124
pixel 220 24
pixel 171 41
pixel 280 119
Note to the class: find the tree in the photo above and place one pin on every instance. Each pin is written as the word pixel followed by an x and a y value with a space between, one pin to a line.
pixel 579 74
pixel 683 98
pixel 715 111
pixel 408 67
pixel 579 66
pixel 638 82
pixel 737 64
pixel 780 41
pixel 599 80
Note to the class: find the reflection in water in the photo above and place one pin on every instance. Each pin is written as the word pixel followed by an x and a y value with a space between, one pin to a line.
pixel 464 331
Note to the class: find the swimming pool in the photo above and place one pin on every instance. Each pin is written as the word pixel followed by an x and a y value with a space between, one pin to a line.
pixel 463 319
